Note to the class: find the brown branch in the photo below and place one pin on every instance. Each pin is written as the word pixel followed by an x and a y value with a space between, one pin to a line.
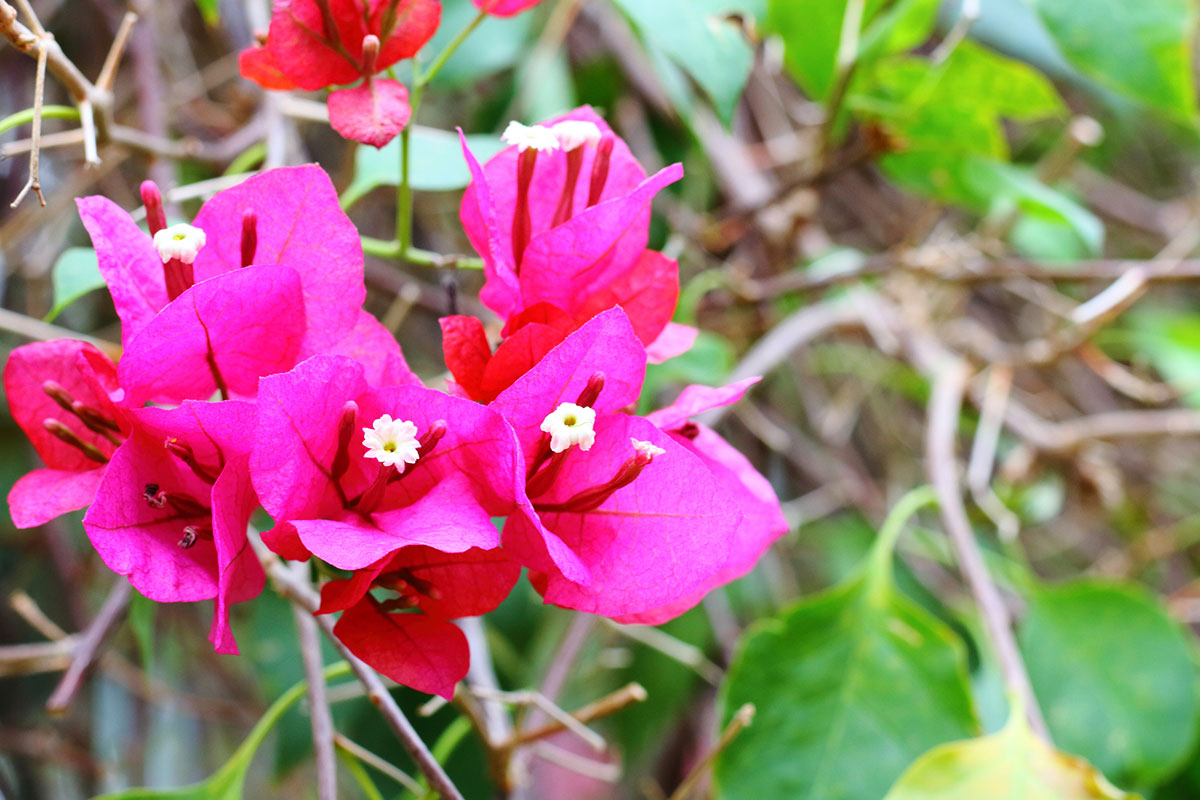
pixel 88 649
pixel 318 702
pixel 949 384
pixel 741 720
pixel 609 704
pixel 39 90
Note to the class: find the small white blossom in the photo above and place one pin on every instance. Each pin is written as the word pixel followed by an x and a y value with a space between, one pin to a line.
pixel 539 137
pixel 393 442
pixel 646 448
pixel 570 424
pixel 572 133
pixel 180 241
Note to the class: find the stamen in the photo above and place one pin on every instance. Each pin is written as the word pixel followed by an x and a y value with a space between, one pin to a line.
pixel 590 499
pixel 538 484
pixel 65 434
pixel 249 237
pixel 190 535
pixel 186 506
pixel 566 201
pixel 570 424
pixel 648 449
pixel 183 451
pixel 341 457
pixel 522 225
pixel 154 496
pixel 591 393
pixel 574 134
pixel 432 436
pixel 600 166
pixel 156 217
pixel 92 419
pixel 58 394
pixel 689 431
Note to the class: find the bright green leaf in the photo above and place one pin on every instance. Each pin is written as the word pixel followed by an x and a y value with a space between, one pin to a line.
pixel 437 163
pixel 497 44
pixel 850 686
pixel 1010 764
pixel 75 274
pixel 1115 678
pixel 210 10
pixel 712 50
pixel 1140 48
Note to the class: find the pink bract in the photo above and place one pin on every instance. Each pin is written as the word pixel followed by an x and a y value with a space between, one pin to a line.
pixel 372 113
pixel 505 8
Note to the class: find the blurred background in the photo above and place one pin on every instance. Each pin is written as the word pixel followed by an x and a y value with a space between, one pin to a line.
pixel 891 208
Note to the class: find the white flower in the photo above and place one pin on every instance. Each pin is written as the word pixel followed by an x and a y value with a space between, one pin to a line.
pixel 180 241
pixel 646 448
pixel 524 137
pixel 570 424
pixel 393 442
pixel 572 133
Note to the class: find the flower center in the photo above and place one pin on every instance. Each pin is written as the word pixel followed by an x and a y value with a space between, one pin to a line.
pixel 392 442
pixel 181 241
pixel 570 424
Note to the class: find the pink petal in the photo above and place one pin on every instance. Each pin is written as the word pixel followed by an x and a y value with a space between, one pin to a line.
pixel 762 519
pixel 675 340
pixel 373 113
pixel 428 654
pixel 442 519
pixel 60 360
pixel 515 356
pixel 302 226
pixel 467 584
pixel 258 64
pixel 605 344
pixel 241 326
pixel 296 435
pixel 141 542
pixel 505 8
pixel 501 290
pixel 240 576
pixel 661 538
pixel 216 433
pixel 295 40
pixel 338 595
pixel 284 542
pixel 695 399
pixel 648 292
pixel 595 248
pixel 374 346
pixel 44 494
pixel 128 261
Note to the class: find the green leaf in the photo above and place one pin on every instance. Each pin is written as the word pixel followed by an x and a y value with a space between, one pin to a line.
pixel 210 11
pixel 437 163
pixel 1115 678
pixel 1010 764
pixel 75 274
pixel 226 783
pixel 811 31
pixel 850 685
pixel 1139 48
pixel 1170 340
pixel 142 612
pixel 497 44
pixel 711 49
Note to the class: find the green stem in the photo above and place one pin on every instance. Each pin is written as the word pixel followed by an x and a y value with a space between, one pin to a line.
pixel 444 56
pixel 25 116
pixel 885 544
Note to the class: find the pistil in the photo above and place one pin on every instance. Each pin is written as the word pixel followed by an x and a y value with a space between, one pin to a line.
pixel 92 419
pixel 249 237
pixel 183 451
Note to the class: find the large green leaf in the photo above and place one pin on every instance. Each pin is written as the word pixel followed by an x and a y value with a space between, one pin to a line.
pixel 811 31
pixel 713 51
pixel 436 163
pixel 851 686
pixel 1140 48
pixel 75 274
pixel 226 783
pixel 1115 678
pixel 497 44
pixel 1007 765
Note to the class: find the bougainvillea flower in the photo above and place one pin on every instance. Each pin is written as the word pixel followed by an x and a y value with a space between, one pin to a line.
pixel 504 8
pixel 762 519
pixel 406 634
pixel 645 514
pixel 311 45
pixel 59 394
pixel 172 509
pixel 568 226
pixel 328 496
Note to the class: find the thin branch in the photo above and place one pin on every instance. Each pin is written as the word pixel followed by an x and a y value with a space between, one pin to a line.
pixel 686 654
pixel 318 701
pixel 108 72
pixel 741 720
pixel 378 762
pixel 38 331
pixel 949 385
pixel 609 704
pixel 596 770
pixel 39 89
pixel 303 595
pixel 535 698
pixel 88 649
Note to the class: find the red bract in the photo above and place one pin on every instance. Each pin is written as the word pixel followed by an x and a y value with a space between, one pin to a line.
pixel 504 8
pixel 651 518
pixel 59 394
pixel 422 650
pixel 172 509
pixel 564 221
pixel 313 44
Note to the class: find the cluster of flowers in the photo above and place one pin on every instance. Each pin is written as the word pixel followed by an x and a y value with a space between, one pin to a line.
pixel 251 376
pixel 315 44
